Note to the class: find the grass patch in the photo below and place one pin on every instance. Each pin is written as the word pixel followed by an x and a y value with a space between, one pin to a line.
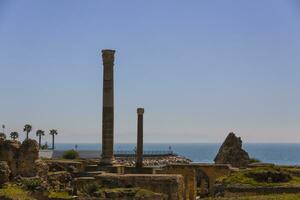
pixel 14 193
pixel 262 197
pixel 59 195
pixel 144 193
pixel 245 177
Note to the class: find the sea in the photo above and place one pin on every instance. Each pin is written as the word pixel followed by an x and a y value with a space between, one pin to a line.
pixel 281 154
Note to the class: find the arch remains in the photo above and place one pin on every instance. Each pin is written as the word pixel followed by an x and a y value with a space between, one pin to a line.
pixel 198 175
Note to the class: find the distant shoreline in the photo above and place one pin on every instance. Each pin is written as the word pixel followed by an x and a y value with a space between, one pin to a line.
pixel 278 153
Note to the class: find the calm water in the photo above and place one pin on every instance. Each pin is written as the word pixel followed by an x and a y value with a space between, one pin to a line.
pixel 286 154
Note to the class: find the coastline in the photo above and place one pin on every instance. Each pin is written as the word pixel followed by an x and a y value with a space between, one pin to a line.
pixel 278 153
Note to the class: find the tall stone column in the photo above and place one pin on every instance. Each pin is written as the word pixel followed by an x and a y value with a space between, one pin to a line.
pixel 107 157
pixel 139 150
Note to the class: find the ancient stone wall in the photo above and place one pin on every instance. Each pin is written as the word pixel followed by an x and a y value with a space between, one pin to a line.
pixel 189 175
pixel 189 172
pixel 134 170
pixel 28 154
pixel 21 158
pixel 4 172
pixel 9 152
pixel 171 185
pixel 73 166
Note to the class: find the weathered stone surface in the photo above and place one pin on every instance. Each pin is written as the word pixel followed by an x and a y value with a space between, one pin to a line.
pixel 170 185
pixel 140 138
pixel 4 172
pixel 60 180
pixel 21 158
pixel 107 157
pixel 66 165
pixel 28 154
pixel 41 168
pixel 123 194
pixel 231 152
pixel 9 151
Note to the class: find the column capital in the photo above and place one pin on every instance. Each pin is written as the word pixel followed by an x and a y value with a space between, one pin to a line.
pixel 108 56
pixel 108 51
pixel 140 111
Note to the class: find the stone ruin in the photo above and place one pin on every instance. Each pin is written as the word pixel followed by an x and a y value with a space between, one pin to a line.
pixel 231 152
pixel 4 172
pixel 21 158
pixel 172 182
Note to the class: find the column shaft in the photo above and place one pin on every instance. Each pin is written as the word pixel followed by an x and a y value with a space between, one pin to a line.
pixel 140 149
pixel 107 157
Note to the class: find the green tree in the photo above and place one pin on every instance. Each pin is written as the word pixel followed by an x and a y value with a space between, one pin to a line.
pixel 3 136
pixel 53 132
pixel 40 133
pixel 27 129
pixel 14 135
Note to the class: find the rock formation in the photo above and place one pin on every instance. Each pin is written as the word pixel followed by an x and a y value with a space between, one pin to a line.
pixel 231 152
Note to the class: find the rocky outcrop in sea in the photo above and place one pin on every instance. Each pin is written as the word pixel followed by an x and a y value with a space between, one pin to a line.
pixel 231 152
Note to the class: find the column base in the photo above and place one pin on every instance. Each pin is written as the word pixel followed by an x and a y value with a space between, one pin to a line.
pixel 108 161
pixel 116 169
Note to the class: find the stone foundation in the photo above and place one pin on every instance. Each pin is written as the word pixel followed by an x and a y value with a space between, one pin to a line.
pixel 170 185
pixel 189 175
pixel 73 166
pixel 143 170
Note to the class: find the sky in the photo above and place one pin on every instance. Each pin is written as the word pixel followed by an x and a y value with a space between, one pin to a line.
pixel 201 69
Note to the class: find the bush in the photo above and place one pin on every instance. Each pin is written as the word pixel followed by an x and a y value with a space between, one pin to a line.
pixel 71 154
pixel 32 184
pixel 254 160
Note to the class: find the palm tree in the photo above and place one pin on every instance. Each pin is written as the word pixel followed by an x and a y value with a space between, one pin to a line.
pixel 27 129
pixel 53 132
pixel 3 136
pixel 40 133
pixel 14 135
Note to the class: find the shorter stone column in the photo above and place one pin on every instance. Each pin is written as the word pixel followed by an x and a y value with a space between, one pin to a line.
pixel 139 150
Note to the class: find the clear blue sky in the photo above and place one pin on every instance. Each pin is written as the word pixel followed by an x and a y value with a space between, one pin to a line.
pixel 200 68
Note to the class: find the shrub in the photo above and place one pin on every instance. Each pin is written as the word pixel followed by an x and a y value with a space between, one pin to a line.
pixel 254 160
pixel 71 154
pixel 32 184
